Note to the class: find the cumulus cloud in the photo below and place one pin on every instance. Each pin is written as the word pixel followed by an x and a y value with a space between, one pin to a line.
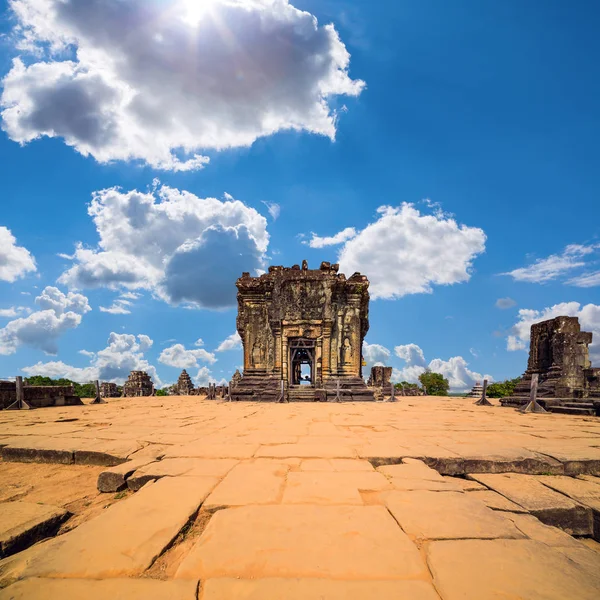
pixel 183 248
pixel 121 305
pixel 15 260
pixel 177 356
pixel 404 252
pixel 504 303
pixel 123 354
pixel 589 319
pixel 455 369
pixel 374 354
pixel 556 265
pixel 145 80
pixel 232 342
pixel 58 313
pixel 334 240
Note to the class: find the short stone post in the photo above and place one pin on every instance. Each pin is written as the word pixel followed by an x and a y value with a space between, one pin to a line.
pixel 229 391
pixel 338 396
pixel 98 399
pixel 19 403
pixel 281 397
pixel 534 406
pixel 483 401
pixel 393 396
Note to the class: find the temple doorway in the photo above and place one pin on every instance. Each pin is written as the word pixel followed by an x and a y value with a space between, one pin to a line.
pixel 302 361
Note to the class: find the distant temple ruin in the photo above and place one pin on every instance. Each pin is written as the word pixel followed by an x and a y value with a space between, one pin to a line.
pixel 109 390
pixel 302 331
pixel 184 385
pixel 138 384
pixel 559 354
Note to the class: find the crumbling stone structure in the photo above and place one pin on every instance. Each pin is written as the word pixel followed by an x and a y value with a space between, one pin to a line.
pixel 559 354
pixel 298 319
pixel 109 390
pixel 138 384
pixel 184 386
pixel 237 377
pixel 38 396
pixel 380 381
pixel 476 391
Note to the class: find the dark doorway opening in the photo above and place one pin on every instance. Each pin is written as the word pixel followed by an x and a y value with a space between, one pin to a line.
pixel 302 362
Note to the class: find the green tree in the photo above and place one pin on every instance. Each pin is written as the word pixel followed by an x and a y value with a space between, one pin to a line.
pixel 502 389
pixel 435 384
pixel 163 392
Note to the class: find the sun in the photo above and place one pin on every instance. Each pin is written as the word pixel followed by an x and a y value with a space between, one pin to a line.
pixel 195 10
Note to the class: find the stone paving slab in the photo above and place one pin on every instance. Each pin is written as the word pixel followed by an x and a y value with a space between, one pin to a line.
pixel 466 485
pixel 319 487
pixel 123 541
pixel 89 589
pixel 550 507
pixel 331 542
pixel 249 483
pixel 534 529
pixel 427 515
pixel 204 449
pixel 316 589
pixel 496 501
pixel 25 523
pixel 307 450
pixel 498 569
pixel 114 479
pixel 335 464
pixel 173 467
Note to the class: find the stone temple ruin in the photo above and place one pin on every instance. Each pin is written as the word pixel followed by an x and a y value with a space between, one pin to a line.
pixel 559 354
pixel 138 384
pixel 302 331
pixel 109 390
pixel 38 396
pixel 184 385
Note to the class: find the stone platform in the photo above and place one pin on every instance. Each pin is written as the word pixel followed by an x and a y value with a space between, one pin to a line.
pixel 420 499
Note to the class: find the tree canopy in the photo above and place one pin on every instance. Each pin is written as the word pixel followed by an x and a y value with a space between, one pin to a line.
pixel 502 389
pixel 435 384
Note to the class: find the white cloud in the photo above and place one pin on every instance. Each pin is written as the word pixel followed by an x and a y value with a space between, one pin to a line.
pixel 374 354
pixel 123 354
pixel 199 342
pixel 178 356
pixel 404 252
pixel 232 342
pixel 273 208
pixel 513 343
pixel 139 80
pixel 15 260
pixel 183 248
pixel 555 265
pixel 585 280
pixel 58 313
pixel 455 369
pixel 14 311
pixel 504 303
pixel 121 305
pixel 589 319
pixel 334 240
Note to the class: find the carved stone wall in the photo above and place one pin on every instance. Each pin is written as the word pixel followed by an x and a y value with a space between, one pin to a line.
pixel 184 386
pixel 109 390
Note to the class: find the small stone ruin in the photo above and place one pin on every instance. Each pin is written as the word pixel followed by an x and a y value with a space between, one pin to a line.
pixel 559 354
pixel 477 391
pixel 380 381
pixel 38 396
pixel 109 390
pixel 184 386
pixel 138 384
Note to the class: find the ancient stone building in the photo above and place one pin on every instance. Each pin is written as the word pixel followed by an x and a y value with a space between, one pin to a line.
pixel 237 377
pixel 380 381
pixel 559 354
pixel 138 384
pixel 184 386
pixel 302 329
pixel 109 390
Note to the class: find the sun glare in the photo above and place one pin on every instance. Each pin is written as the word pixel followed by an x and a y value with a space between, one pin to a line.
pixel 195 10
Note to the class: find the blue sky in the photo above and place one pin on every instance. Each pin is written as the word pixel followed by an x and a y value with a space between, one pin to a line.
pixel 483 115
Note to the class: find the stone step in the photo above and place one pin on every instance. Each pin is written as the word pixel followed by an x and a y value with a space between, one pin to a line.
pixel 569 410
